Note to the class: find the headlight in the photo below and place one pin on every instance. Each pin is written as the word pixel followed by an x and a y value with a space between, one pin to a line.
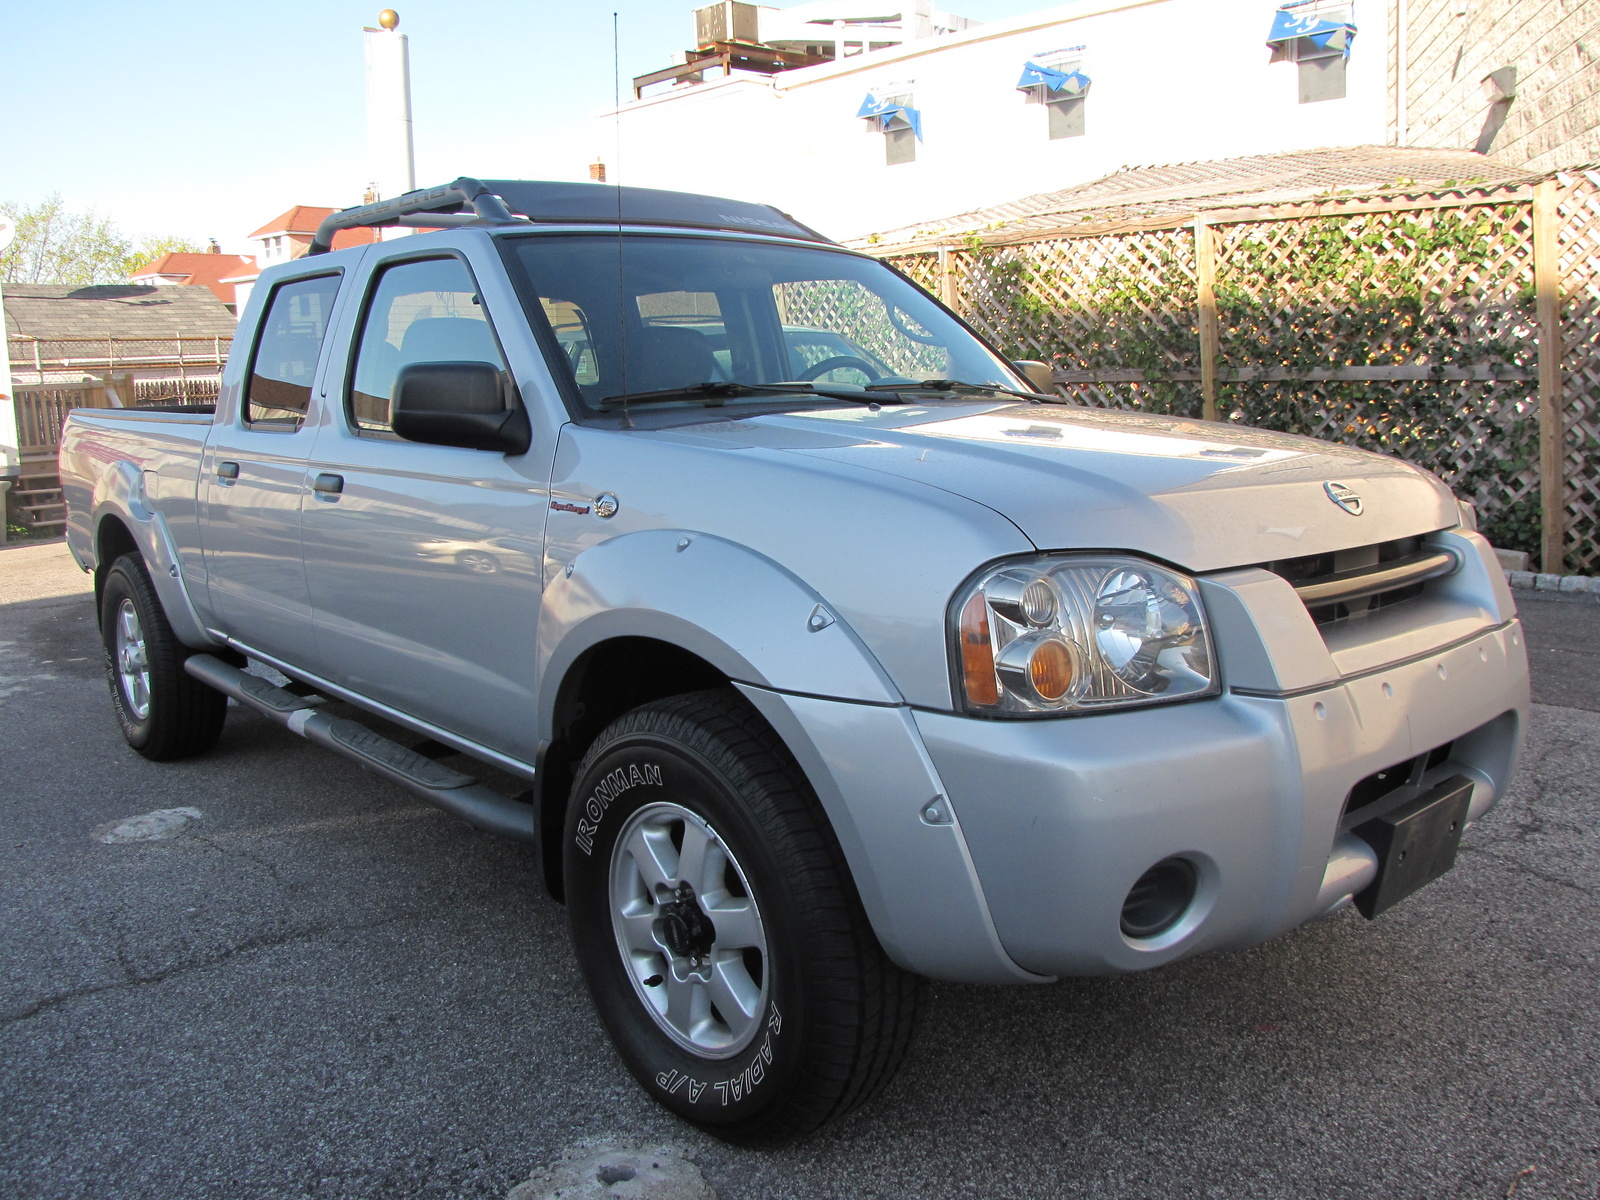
pixel 1467 512
pixel 1063 634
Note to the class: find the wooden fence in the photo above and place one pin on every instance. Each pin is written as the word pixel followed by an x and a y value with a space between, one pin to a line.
pixel 42 408
pixel 1460 331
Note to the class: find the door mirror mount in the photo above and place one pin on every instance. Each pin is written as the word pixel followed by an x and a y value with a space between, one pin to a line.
pixel 1036 373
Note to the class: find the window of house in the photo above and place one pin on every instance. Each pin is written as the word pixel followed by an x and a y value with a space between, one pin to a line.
pixel 418 312
pixel 892 114
pixel 1057 80
pixel 1316 36
pixel 278 389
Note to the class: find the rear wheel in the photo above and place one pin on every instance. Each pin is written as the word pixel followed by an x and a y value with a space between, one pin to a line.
pixel 718 929
pixel 164 712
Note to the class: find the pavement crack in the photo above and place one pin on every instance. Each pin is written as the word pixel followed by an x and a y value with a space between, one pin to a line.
pixel 248 946
pixel 1505 860
pixel 265 864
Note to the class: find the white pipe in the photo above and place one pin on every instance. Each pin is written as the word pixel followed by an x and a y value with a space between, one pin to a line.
pixel 389 147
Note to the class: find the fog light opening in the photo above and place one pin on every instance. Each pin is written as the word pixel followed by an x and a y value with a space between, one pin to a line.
pixel 1159 899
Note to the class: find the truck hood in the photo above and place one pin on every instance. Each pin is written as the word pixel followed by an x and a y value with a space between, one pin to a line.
pixel 1198 494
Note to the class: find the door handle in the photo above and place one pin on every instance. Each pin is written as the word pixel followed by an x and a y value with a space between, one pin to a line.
pixel 227 470
pixel 328 485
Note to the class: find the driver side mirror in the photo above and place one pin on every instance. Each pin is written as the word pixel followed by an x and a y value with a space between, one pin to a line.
pixel 469 404
pixel 1036 373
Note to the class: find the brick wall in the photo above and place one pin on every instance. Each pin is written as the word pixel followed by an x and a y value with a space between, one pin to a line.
pixel 1554 120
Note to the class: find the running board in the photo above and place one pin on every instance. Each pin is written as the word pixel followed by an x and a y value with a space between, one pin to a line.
pixel 452 791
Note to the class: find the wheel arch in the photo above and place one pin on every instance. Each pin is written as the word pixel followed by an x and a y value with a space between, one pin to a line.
pixel 607 679
pixel 655 613
pixel 112 539
pixel 124 521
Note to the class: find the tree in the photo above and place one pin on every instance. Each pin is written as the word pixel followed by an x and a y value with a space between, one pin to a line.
pixel 56 245
pixel 152 248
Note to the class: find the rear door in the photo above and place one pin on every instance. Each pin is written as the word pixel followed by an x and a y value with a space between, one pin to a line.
pixel 424 562
pixel 253 476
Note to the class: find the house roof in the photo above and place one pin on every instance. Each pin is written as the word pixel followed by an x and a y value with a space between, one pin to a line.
pixel 302 218
pixel 199 270
pixel 1169 194
pixel 343 239
pixel 124 310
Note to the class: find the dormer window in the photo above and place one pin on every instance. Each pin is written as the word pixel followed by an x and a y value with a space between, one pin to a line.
pixel 1316 34
pixel 892 114
pixel 1057 80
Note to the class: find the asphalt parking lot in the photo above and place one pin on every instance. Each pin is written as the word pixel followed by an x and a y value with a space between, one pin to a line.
pixel 325 988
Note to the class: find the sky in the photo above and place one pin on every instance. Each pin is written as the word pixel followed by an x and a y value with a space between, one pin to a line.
pixel 207 118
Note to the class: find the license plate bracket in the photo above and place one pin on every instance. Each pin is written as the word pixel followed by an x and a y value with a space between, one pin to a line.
pixel 1415 843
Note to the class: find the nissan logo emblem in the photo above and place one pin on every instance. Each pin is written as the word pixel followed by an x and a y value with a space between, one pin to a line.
pixel 1344 497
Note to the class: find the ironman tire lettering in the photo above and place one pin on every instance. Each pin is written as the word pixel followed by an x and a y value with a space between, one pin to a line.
pixel 718 929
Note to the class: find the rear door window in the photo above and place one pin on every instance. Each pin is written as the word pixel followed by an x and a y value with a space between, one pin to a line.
pixel 278 391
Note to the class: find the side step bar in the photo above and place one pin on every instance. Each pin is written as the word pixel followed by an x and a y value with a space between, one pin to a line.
pixel 452 791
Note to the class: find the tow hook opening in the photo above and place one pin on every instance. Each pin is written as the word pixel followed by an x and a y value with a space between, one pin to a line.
pixel 1160 897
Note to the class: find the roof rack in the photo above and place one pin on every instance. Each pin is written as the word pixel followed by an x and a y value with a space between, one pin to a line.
pixel 426 208
pixel 518 201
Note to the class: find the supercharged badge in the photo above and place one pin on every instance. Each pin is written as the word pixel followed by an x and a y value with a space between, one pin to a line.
pixel 1344 497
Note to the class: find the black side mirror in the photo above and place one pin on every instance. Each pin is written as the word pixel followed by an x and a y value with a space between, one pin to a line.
pixel 469 404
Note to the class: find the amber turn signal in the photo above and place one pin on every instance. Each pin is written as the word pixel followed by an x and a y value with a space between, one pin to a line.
pixel 977 653
pixel 1051 669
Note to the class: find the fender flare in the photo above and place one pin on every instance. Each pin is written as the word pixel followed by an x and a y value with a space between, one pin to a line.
pixel 740 611
pixel 119 493
pixel 782 646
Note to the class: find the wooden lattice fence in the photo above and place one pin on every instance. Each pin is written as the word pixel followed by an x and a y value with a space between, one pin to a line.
pixel 1459 331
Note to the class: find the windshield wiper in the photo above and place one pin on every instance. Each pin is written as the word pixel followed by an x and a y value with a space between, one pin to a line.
pixel 957 385
pixel 714 394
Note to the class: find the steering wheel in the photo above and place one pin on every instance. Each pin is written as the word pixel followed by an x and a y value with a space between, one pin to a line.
pixel 898 319
pixel 818 369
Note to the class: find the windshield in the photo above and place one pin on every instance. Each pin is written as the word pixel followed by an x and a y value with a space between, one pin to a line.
pixel 680 312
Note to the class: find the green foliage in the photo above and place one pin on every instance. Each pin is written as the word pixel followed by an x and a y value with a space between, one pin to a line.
pixel 152 248
pixel 53 244
pixel 1131 307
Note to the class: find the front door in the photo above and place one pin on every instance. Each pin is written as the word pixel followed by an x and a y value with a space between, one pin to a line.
pixel 424 562
pixel 253 477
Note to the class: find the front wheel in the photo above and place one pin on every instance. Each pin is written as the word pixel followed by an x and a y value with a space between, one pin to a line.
pixel 164 712
pixel 718 929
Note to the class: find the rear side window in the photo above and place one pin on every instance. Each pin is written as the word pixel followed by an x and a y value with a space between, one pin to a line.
pixel 419 312
pixel 279 389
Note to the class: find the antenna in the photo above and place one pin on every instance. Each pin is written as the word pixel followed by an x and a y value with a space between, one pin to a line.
pixel 616 165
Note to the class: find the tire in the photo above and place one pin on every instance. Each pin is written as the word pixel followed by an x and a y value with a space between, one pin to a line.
pixel 756 1003
pixel 165 714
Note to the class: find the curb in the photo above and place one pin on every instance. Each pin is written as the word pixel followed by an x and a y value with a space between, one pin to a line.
pixel 1566 586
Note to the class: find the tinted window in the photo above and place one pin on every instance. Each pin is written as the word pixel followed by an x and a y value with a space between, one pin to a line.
pixel 279 389
pixel 419 312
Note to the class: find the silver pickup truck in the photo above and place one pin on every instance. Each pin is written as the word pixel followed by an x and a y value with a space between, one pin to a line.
pixel 833 655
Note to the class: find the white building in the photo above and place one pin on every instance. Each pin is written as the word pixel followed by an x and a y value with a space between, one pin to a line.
pixel 939 124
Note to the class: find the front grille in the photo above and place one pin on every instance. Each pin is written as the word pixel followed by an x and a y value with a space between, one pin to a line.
pixel 1351 583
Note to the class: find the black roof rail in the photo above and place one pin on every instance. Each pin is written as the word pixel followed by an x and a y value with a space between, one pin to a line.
pixel 428 208
pixel 518 201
